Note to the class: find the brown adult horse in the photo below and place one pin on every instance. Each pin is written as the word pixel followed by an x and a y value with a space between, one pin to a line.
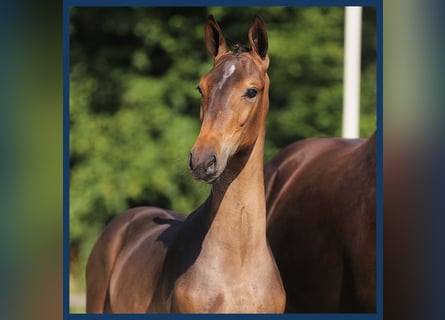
pixel 217 259
pixel 321 207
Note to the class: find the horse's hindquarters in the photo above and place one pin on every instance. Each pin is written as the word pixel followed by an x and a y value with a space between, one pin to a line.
pixel 135 241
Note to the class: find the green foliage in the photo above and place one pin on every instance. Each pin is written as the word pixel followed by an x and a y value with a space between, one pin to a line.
pixel 134 110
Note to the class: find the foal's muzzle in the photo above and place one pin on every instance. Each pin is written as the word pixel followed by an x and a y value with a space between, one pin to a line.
pixel 203 166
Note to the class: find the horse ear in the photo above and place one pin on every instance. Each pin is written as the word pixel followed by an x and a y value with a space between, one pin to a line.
pixel 258 37
pixel 214 39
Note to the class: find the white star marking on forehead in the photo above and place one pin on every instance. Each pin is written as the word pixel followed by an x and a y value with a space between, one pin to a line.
pixel 227 73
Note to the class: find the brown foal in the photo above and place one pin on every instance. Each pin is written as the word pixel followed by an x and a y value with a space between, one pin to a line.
pixel 217 259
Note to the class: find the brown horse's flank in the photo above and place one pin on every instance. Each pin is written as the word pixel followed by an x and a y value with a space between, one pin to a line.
pixel 321 207
pixel 217 259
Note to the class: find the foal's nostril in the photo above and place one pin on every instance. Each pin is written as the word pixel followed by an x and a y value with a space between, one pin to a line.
pixel 211 165
pixel 190 161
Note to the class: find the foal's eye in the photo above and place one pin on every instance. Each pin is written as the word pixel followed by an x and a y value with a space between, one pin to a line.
pixel 199 90
pixel 251 93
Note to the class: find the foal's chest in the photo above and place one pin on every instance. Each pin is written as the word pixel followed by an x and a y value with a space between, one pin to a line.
pixel 201 290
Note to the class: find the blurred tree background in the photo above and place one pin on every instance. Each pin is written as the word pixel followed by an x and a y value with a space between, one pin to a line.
pixel 134 109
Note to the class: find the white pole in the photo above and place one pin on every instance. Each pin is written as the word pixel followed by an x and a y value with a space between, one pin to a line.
pixel 351 72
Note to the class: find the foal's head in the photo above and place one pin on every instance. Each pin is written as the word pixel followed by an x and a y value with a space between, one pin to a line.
pixel 234 100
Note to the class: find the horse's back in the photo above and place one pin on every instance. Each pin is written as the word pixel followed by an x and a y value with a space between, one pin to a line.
pixel 134 240
pixel 302 166
pixel 320 196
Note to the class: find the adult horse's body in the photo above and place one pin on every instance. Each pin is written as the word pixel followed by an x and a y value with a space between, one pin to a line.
pixel 217 259
pixel 321 208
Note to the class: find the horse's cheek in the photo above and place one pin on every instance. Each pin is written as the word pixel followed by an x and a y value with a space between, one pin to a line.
pixel 243 116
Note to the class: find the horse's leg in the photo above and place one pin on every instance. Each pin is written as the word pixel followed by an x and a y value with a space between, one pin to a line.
pixel 100 266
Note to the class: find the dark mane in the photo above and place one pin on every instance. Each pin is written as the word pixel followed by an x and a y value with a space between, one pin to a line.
pixel 238 48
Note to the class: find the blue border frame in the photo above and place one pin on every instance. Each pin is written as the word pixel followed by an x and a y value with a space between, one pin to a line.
pixel 378 4
pixel 66 159
pixel 219 3
pixel 379 217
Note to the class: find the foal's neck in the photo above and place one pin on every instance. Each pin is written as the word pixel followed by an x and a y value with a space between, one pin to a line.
pixel 238 203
